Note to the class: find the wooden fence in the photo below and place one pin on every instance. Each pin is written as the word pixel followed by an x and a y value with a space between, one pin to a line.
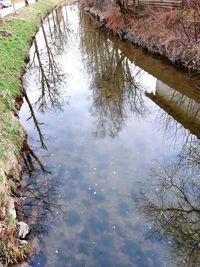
pixel 162 3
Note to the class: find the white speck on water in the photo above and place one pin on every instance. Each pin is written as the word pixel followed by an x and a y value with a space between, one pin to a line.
pixel 150 227
pixel 95 184
pixel 89 188
pixel 56 251
pixel 102 190
pixel 157 189
pixel 114 172
pixel 114 227
pixel 94 169
pixel 169 242
pixel 52 155
pixel 94 193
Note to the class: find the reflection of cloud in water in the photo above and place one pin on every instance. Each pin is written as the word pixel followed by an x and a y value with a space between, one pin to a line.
pixel 99 227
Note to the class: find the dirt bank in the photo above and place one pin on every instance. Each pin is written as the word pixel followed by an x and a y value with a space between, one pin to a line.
pixel 172 34
pixel 16 34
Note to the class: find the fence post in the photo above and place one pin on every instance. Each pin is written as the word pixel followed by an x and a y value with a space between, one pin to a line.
pixel 1 19
pixel 26 3
pixel 13 4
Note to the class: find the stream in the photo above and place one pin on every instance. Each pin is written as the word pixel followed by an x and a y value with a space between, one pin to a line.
pixel 112 163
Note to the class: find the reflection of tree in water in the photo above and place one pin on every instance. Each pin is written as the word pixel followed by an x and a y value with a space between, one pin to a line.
pixel 39 194
pixel 115 87
pixel 58 27
pixel 35 121
pixel 171 202
pixel 44 63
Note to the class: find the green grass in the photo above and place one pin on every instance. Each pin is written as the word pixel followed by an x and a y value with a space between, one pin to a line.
pixel 11 134
pixel 13 186
pixel 11 221
pixel 2 150
pixel 11 131
pixel 6 253
pixel 13 50
pixel 3 199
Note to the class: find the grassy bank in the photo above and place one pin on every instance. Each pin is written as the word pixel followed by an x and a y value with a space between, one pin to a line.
pixel 16 34
pixel 13 51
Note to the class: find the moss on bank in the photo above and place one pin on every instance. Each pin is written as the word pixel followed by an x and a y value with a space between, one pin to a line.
pixel 16 35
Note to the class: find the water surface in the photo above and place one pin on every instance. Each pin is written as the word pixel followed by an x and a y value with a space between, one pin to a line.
pixel 112 146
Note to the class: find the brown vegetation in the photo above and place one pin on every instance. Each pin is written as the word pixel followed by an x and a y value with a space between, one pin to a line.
pixel 171 33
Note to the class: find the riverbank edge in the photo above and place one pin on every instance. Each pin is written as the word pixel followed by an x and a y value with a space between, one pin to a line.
pixel 13 136
pixel 187 54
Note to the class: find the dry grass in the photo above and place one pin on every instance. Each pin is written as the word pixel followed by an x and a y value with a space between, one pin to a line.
pixel 173 34
pixel 115 21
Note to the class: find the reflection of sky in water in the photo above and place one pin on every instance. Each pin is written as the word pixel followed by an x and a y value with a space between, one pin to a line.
pixel 97 177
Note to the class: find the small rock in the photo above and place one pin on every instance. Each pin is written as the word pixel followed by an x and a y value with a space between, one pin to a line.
pixel 11 208
pixel 23 230
pixel 22 242
pixel 24 264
